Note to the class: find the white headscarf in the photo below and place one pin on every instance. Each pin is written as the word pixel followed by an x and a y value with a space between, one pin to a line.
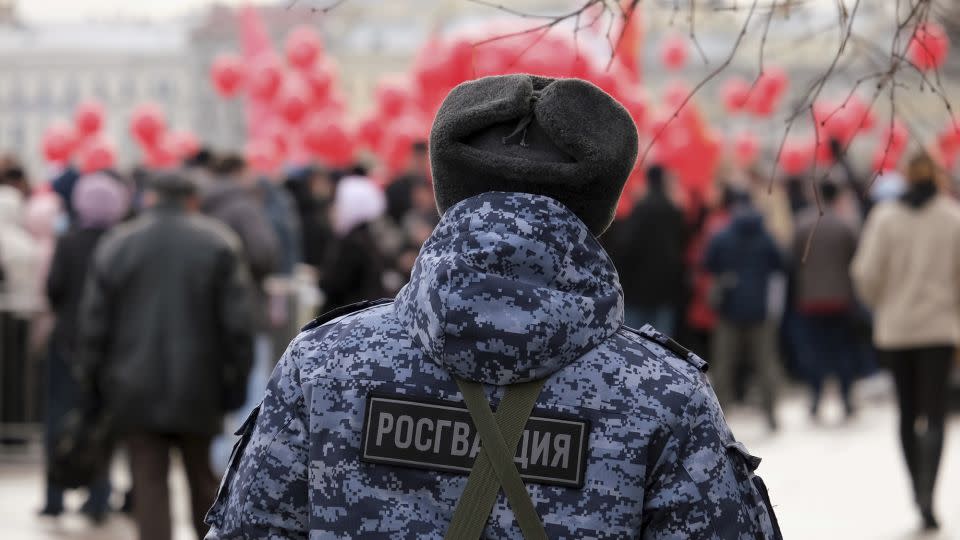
pixel 357 201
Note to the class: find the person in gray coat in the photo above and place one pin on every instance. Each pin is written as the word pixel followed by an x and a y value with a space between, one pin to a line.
pixel 231 197
pixel 166 344
pixel 824 296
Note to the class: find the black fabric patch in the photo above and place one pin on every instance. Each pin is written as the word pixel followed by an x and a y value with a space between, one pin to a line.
pixel 440 436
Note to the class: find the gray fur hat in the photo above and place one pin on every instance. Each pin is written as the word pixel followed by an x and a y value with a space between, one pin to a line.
pixel 563 138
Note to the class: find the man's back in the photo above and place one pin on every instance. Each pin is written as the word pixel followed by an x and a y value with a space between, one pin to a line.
pixel 166 298
pixel 743 256
pixel 510 288
pixel 654 240
pixel 823 277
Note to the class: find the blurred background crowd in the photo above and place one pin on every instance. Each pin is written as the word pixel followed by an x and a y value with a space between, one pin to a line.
pixel 751 252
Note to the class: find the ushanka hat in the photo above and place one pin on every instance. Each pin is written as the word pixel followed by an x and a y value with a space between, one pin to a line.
pixel 563 138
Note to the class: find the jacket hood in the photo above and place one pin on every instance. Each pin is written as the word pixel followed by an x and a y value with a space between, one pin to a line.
pixel 510 287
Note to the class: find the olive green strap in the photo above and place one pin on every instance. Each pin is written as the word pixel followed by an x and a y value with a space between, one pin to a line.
pixel 494 466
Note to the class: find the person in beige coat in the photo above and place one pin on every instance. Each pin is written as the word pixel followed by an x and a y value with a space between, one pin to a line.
pixel 907 269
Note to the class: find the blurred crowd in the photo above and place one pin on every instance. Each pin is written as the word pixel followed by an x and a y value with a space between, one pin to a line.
pixel 768 279
pixel 131 259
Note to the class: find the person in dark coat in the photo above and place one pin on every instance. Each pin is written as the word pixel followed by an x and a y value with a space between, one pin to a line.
pixel 100 202
pixel 651 257
pixel 231 198
pixel 312 192
pixel 742 259
pixel 354 268
pixel 400 191
pixel 166 341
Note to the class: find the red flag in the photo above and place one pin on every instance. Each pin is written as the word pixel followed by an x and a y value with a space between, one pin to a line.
pixel 630 40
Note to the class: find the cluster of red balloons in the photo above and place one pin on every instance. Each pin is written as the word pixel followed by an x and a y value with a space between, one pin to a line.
pixel 162 149
pixel 928 46
pixel 405 104
pixel 306 111
pixel 759 98
pixel 82 141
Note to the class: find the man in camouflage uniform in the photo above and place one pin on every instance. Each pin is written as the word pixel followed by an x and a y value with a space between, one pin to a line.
pixel 363 432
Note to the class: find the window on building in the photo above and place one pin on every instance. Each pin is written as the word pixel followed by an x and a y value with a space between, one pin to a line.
pixel 163 90
pixel 128 89
pixel 71 91
pixel 101 89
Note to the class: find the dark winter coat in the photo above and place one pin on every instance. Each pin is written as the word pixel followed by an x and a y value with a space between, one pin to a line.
pixel 279 207
pixel 239 209
pixel 165 317
pixel 68 273
pixel 742 258
pixel 650 261
pixel 353 270
pixel 317 234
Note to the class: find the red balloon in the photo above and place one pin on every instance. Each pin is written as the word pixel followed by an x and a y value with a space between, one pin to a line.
pixel 97 155
pixel 162 154
pixel 58 142
pixel 674 52
pixel 147 124
pixel 261 156
pixel 735 94
pixel 767 93
pixel 833 122
pixel 773 82
pixel 88 118
pixel 370 132
pixel 266 78
pixel 929 46
pixel 294 99
pixel 276 135
pixel 303 47
pixel 328 140
pixel 320 81
pixel 393 97
pixel 228 74
pixel 795 158
pixel 746 149
pixel 397 143
pixel 185 143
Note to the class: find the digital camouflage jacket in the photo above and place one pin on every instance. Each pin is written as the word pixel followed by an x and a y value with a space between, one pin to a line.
pixel 362 433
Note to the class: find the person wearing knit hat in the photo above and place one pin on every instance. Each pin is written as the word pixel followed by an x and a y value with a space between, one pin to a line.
pixel 99 202
pixel 906 269
pixel 377 419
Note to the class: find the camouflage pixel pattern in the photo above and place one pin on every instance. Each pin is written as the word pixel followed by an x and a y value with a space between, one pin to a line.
pixel 510 287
